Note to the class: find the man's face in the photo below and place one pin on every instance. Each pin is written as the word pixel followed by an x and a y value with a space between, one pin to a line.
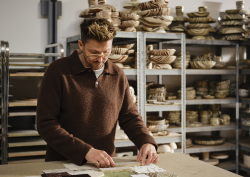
pixel 98 48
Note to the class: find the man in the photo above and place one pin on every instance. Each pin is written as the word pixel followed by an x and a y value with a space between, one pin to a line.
pixel 82 97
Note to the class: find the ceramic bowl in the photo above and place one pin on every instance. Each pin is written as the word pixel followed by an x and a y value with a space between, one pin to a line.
pixel 197 14
pixel 163 59
pixel 162 66
pixel 124 12
pixel 198 20
pixel 128 46
pixel 208 140
pixel 245 121
pixel 149 5
pixel 162 52
pixel 202 64
pixel 119 51
pixel 164 149
pixel 198 32
pixel 130 17
pixel 156 21
pixel 129 23
pixel 118 58
pixel 243 93
pixel 156 12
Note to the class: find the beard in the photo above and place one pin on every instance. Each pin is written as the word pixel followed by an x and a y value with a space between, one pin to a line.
pixel 94 65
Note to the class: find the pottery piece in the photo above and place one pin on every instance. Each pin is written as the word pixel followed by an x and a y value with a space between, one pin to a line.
pixel 243 93
pixel 178 27
pixel 212 161
pixel 231 30
pixel 205 155
pixel 92 2
pixel 208 140
pixel 198 32
pixel 194 124
pixel 198 26
pixel 86 14
pixel 197 14
pixel 156 12
pixel 130 17
pixel 156 21
pixel 118 58
pixel 157 91
pixel 149 5
pixel 115 14
pixel 129 23
pixel 162 66
pixel 245 121
pixel 233 37
pixel 128 46
pixel 219 155
pixel 163 59
pixel 202 64
pixel 215 121
pixel 198 20
pixel 211 20
pixel 232 17
pixel 163 133
pixel 179 14
pixel 120 51
pixel 233 11
pixel 121 13
pixel 162 52
pixel 240 4
pixel 208 97
pixel 163 148
pixel 225 119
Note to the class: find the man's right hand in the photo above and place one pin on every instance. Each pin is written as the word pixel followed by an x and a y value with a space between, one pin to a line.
pixel 100 158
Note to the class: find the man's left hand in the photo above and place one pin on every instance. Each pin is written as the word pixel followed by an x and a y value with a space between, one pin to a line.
pixel 147 150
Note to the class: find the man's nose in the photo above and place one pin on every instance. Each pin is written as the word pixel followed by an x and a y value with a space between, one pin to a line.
pixel 100 59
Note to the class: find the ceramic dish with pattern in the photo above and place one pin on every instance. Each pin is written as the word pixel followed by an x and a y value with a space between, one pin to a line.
pixel 202 64
pixel 162 52
pixel 198 32
pixel 119 51
pixel 118 58
pixel 163 59
pixel 129 23
pixel 208 140
pixel 130 17
pixel 128 46
pixel 198 20
pixel 155 12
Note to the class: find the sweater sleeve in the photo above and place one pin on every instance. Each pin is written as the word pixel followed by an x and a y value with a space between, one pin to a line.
pixel 131 122
pixel 48 113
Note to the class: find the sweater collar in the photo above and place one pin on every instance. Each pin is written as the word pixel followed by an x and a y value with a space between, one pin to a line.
pixel 77 66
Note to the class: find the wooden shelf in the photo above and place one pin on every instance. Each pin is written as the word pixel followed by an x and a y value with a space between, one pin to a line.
pixel 27 74
pixel 27 153
pixel 22 103
pixel 22 133
pixel 27 142
pixel 13 114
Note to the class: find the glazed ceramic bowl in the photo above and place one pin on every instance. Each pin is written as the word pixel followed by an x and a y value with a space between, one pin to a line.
pixel 162 52
pixel 119 51
pixel 198 32
pixel 118 58
pixel 198 20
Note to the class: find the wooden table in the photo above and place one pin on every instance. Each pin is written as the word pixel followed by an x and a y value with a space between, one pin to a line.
pixel 179 164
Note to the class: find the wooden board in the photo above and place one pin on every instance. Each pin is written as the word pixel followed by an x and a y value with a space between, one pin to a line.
pixel 22 103
pixel 28 74
pixel 180 164
pixel 28 153
pixel 27 142
pixel 21 133
pixel 12 114
pixel 26 161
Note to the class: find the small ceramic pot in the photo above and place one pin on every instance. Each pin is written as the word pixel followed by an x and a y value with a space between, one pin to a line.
pixel 215 121
pixel 240 5
pixel 225 118
pixel 179 10
pixel 92 3
pixel 102 1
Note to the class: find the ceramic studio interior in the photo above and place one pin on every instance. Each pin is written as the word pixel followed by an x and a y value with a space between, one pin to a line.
pixel 174 88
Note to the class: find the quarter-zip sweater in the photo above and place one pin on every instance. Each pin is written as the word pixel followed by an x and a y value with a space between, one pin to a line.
pixel 76 111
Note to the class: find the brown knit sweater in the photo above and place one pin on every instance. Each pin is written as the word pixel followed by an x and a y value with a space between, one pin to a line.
pixel 76 111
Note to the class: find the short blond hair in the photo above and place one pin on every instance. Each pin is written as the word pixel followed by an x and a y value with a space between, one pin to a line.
pixel 97 28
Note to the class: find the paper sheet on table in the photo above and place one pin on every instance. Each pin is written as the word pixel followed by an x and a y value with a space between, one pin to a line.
pixel 151 168
pixel 75 167
pixel 128 164
pixel 112 169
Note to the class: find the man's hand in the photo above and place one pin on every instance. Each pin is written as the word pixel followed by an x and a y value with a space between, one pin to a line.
pixel 100 158
pixel 147 150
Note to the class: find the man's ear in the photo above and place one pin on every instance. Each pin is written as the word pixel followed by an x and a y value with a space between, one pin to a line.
pixel 80 44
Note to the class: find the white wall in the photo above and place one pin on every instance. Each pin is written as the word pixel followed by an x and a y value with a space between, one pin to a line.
pixel 26 30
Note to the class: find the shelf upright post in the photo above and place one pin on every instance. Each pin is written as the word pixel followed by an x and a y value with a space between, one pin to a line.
pixel 4 101
pixel 141 75
pixel 160 78
pixel 183 92
pixel 237 108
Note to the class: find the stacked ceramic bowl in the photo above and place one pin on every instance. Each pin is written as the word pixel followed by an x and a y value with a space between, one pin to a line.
pixel 156 92
pixel 129 21
pixel 156 124
pixel 211 88
pixel 232 26
pixel 222 89
pixel 123 55
pixel 198 27
pixel 243 93
pixel 192 116
pixel 178 24
pixel 202 62
pixel 177 62
pixel 162 58
pixel 190 93
pixel 155 16
pixel 202 88
pixel 174 117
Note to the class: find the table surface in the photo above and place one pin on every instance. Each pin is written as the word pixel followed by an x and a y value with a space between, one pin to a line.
pixel 179 164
